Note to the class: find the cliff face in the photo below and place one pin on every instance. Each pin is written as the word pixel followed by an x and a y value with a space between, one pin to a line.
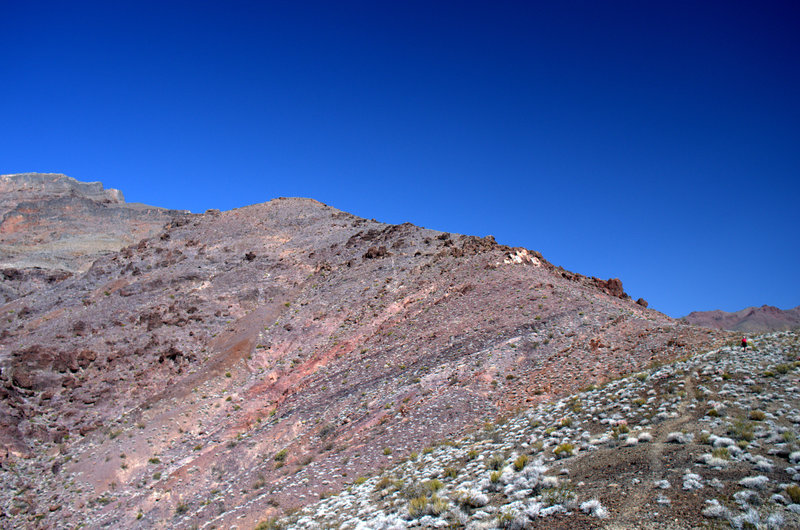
pixel 52 226
pixel 237 364
pixel 748 320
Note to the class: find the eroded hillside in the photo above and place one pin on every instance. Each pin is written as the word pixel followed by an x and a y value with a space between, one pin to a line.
pixel 241 364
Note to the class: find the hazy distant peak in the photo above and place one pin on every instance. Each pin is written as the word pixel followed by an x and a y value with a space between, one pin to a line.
pixel 749 319
pixel 43 184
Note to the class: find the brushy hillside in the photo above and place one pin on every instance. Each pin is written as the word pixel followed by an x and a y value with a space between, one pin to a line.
pixel 706 442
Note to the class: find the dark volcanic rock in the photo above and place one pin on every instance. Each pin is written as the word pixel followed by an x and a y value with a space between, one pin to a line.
pixel 249 361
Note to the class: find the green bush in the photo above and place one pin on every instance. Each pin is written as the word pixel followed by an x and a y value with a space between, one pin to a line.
pixel 565 449
pixel 794 493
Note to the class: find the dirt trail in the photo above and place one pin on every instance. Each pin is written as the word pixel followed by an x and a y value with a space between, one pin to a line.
pixel 631 515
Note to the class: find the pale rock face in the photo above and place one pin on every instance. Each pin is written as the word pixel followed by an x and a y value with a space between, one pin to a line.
pixel 520 256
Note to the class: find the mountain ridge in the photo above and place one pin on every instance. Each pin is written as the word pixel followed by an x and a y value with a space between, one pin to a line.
pixel 748 320
pixel 272 351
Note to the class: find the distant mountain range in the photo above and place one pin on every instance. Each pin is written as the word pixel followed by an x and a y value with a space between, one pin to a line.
pixel 748 320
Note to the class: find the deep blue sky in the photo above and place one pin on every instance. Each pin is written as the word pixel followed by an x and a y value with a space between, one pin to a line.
pixel 658 142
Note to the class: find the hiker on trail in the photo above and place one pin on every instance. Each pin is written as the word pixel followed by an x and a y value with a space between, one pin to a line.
pixel 744 343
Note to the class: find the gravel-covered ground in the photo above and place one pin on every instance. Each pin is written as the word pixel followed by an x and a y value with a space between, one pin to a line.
pixel 708 441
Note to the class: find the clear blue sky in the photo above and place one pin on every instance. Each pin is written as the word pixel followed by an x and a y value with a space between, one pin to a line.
pixel 657 142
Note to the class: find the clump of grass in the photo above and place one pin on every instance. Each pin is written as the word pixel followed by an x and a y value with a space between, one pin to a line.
pixel 450 472
pixel 413 456
pixel 564 449
pixel 721 452
pixel 280 456
pixel 494 477
pixel 433 485
pixel 437 506
pixel 757 415
pixel 521 462
pixel 563 494
pixel 639 401
pixel 360 480
pixel 472 454
pixel 387 451
pixel 422 505
pixel 742 430
pixel 383 483
pixel 794 493
pixel 714 413
pixel 566 422
pixel 495 462
pixel 154 460
pixel 618 430
pixel 783 368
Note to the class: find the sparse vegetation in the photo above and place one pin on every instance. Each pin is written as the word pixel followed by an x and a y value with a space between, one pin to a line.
pixel 564 449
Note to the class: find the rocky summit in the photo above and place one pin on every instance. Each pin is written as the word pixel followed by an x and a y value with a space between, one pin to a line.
pixel 230 368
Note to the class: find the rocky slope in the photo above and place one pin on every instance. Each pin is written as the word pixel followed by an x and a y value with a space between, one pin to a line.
pixel 710 441
pixel 52 226
pixel 749 320
pixel 239 365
